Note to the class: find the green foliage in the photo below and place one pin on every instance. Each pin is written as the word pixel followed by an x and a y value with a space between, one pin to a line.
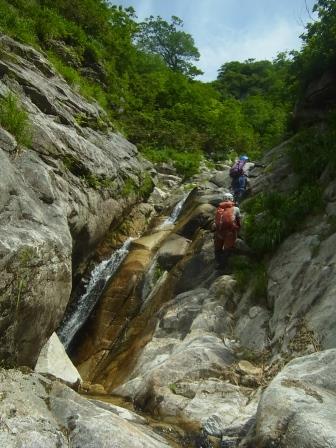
pixel 15 119
pixel 146 186
pixel 78 169
pixel 88 89
pixel 141 74
pixel 75 166
pixel 319 50
pixel 129 188
pixel 186 163
pixel 250 274
pixel 176 47
pixel 252 78
pixel 255 104
pixel 313 150
pixel 99 182
pixel 271 217
pixel 142 191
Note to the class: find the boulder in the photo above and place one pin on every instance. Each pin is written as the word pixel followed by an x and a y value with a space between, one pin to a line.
pixel 201 216
pixel 247 368
pixel 221 179
pixel 298 408
pixel 255 323
pixel 172 250
pixel 53 360
pixel 158 196
pixel 169 180
pixel 186 370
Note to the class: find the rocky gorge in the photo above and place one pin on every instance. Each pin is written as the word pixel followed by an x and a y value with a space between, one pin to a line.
pixel 196 358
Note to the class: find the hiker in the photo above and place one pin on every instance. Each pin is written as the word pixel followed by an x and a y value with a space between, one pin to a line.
pixel 239 173
pixel 226 227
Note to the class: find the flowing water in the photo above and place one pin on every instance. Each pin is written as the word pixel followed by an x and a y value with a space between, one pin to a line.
pixel 175 213
pixel 130 303
pixel 82 307
pixel 150 279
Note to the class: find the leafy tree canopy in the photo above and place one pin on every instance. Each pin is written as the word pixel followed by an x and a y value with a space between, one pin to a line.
pixel 176 47
pixel 241 79
pixel 319 50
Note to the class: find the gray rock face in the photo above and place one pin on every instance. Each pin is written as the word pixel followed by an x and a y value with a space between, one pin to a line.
pixel 36 412
pixel 57 199
pixel 277 175
pixel 186 371
pixel 303 270
pixel 298 407
pixel 222 178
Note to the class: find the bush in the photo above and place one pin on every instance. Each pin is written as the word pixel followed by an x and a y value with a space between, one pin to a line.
pixel 15 119
pixel 88 89
pixel 142 191
pixel 313 150
pixel 250 274
pixel 186 163
pixel 271 217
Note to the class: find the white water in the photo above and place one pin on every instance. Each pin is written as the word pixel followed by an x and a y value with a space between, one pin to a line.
pixel 175 213
pixel 82 308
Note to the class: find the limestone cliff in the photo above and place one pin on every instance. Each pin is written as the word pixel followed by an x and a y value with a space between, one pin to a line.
pixel 58 197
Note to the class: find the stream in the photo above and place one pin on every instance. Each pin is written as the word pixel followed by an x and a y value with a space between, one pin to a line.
pixel 83 306
pixel 127 292
pixel 100 276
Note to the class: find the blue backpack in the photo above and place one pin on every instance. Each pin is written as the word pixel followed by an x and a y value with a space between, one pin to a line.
pixel 237 169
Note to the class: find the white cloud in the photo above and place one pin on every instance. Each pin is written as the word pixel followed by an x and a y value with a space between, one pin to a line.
pixel 239 46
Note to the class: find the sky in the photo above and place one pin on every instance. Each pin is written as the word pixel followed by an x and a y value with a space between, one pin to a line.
pixel 233 30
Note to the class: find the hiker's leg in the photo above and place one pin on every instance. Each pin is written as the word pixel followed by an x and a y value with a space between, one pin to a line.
pixel 235 188
pixel 226 259
pixel 242 182
pixel 230 239
pixel 218 248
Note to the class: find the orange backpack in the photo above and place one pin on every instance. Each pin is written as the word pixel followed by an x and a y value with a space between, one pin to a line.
pixel 224 218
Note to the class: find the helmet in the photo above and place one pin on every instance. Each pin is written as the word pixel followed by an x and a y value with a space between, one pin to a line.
pixel 228 197
pixel 243 158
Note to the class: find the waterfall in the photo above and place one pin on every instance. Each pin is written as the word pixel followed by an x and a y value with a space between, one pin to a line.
pixel 82 307
pixel 175 213
pixel 150 279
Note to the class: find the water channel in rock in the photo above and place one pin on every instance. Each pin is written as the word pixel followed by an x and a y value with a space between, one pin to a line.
pixel 128 289
pixel 82 307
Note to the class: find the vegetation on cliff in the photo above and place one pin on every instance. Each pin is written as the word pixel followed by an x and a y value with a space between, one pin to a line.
pixel 143 74
pixel 149 91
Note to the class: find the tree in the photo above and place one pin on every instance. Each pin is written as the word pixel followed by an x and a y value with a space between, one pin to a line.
pixel 319 45
pixel 176 47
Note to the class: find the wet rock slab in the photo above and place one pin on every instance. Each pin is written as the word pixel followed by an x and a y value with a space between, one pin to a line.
pixel 38 413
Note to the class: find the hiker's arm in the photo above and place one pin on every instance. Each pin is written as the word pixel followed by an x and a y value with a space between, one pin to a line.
pixel 258 165
pixel 255 165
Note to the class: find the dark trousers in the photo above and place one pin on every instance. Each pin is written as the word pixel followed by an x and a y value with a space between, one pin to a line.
pixel 238 185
